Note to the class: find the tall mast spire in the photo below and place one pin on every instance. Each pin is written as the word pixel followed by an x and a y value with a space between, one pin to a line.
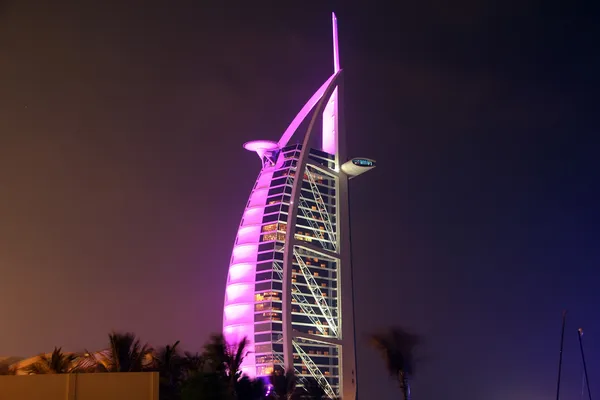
pixel 330 114
pixel 336 47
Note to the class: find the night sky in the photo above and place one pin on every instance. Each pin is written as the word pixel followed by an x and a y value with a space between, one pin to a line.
pixel 123 177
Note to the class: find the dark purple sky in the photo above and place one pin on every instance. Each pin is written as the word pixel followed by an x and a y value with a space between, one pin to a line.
pixel 122 176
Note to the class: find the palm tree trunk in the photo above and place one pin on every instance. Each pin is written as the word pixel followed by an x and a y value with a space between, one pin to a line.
pixel 406 388
pixel 404 385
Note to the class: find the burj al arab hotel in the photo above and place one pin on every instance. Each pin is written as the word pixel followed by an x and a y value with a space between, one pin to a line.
pixel 289 286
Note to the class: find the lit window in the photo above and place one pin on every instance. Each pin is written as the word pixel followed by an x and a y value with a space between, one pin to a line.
pixel 262 306
pixel 269 227
pixel 265 370
pixel 274 227
pixel 268 237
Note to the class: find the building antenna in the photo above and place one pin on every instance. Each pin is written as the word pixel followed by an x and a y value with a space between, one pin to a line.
pixel 580 335
pixel 560 357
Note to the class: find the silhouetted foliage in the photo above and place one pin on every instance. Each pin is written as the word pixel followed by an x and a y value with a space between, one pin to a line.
pixel 250 389
pixel 57 363
pixel 287 386
pixel 214 374
pixel 397 347
pixel 206 386
pixel 125 354
pixel 170 365
pixel 193 364
pixel 284 383
pixel 226 359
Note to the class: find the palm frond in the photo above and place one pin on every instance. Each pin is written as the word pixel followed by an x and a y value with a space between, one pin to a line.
pixel 127 354
pixel 193 364
pixel 397 347
pixel 55 363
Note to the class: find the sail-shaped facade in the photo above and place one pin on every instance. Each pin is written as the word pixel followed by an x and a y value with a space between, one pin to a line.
pixel 289 286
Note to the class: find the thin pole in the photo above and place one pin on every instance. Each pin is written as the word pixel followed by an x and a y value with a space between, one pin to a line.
pixel 582 383
pixel 580 335
pixel 560 357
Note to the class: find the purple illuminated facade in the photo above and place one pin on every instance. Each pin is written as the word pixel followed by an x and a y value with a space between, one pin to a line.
pixel 289 287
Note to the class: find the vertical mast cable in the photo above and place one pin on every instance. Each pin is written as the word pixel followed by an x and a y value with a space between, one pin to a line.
pixel 580 335
pixel 560 357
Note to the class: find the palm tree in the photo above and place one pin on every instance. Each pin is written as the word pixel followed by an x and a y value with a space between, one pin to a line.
pixel 55 363
pixel 205 386
pixel 226 359
pixel 192 364
pixel 125 354
pixel 284 383
pixel 250 389
pixel 397 347
pixel 285 386
pixel 169 364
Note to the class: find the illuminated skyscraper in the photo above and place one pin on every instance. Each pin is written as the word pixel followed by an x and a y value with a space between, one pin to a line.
pixel 289 288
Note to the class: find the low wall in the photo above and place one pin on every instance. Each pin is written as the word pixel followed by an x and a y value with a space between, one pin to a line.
pixel 92 386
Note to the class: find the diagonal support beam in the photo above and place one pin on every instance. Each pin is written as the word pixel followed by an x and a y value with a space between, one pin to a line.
pixel 315 371
pixel 310 217
pixel 316 292
pixel 304 304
